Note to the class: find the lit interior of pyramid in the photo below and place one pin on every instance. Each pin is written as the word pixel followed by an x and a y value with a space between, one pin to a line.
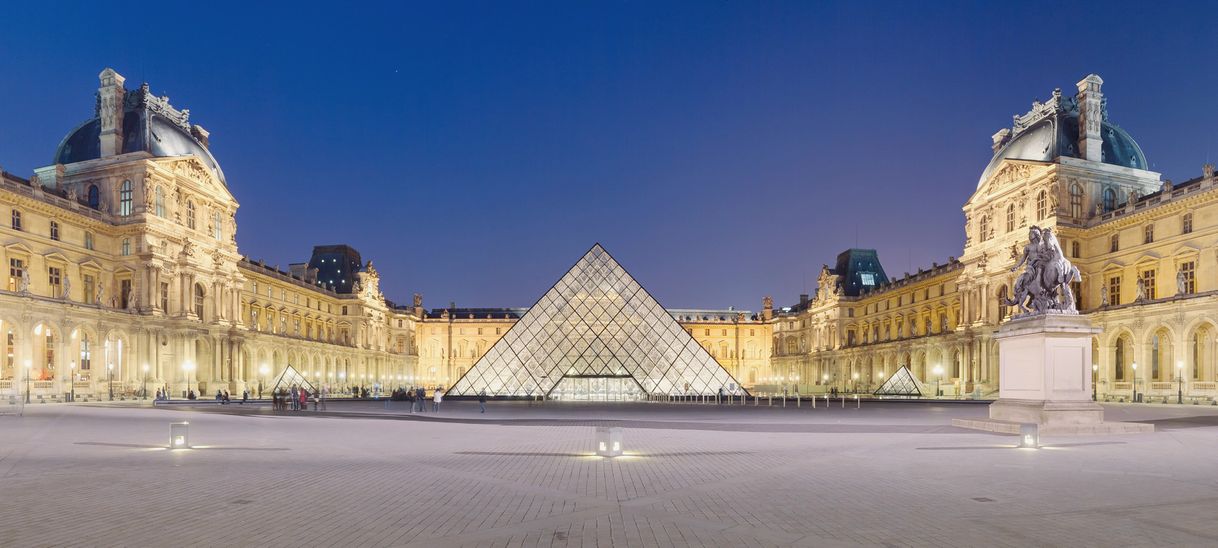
pixel 596 335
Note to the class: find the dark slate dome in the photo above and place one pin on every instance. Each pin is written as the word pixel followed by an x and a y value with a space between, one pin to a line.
pixel 1055 134
pixel 143 129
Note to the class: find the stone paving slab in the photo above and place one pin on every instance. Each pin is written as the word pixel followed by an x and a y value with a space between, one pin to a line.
pixel 90 476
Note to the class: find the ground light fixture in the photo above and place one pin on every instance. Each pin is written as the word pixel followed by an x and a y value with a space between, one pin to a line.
pixel 179 435
pixel 1029 436
pixel 609 441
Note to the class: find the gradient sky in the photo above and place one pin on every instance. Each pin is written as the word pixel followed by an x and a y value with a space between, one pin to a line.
pixel 721 151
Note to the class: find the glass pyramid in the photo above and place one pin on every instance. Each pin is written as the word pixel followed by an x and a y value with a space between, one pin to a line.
pixel 598 335
pixel 289 377
pixel 902 383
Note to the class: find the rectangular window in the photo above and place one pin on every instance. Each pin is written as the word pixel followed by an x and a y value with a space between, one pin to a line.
pixel 16 220
pixel 1186 224
pixel 1114 244
pixel 55 230
pixel 90 289
pixel 1114 290
pixel 1188 272
pixel 89 241
pixel 344 310
pixel 165 296
pixel 55 279
pixel 124 293
pixel 1148 234
pixel 1148 284
pixel 16 269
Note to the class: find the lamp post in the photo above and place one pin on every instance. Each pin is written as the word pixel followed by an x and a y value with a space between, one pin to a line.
pixel 110 379
pixel 186 369
pixel 144 389
pixel 28 369
pixel 72 382
pixel 1179 382
pixel 938 378
pixel 1095 374
pixel 1135 383
pixel 262 371
pixel 855 379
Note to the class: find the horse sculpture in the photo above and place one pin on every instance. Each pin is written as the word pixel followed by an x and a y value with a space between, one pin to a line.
pixel 1044 285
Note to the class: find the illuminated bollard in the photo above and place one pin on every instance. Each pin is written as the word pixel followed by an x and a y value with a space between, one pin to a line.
pixel 1029 435
pixel 179 435
pixel 609 441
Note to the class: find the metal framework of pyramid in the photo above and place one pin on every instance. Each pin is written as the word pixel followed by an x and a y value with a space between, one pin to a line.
pixel 902 383
pixel 289 377
pixel 596 322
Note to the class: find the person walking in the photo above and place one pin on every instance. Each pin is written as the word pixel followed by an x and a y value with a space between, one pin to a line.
pixel 245 396
pixel 482 401
pixel 294 403
pixel 410 400
pixel 436 397
pixel 422 394
pixel 304 400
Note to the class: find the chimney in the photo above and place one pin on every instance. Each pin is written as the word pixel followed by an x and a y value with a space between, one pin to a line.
pixel 803 299
pixel 200 135
pixel 110 111
pixel 1090 101
pixel 767 308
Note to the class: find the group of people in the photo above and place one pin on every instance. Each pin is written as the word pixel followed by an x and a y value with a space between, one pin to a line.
pixel 297 398
pixel 417 397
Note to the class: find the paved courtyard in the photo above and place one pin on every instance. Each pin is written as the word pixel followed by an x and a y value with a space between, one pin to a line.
pixel 363 474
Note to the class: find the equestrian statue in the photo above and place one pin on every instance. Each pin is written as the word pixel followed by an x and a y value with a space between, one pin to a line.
pixel 1044 285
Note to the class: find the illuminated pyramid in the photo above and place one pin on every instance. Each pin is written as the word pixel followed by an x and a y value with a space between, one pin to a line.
pixel 291 377
pixel 596 335
pixel 902 383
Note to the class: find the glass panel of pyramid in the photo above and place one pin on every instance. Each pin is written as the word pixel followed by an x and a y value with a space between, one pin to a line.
pixel 290 377
pixel 902 383
pixel 595 322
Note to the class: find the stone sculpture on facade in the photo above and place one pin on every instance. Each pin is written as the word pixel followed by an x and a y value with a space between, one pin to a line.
pixel 1181 283
pixel 1044 285
pixel 25 281
pixel 67 288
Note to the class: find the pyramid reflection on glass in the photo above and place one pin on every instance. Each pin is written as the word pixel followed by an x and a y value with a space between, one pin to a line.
pixel 902 383
pixel 596 335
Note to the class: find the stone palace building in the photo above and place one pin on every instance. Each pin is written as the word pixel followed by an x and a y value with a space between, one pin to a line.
pixel 124 274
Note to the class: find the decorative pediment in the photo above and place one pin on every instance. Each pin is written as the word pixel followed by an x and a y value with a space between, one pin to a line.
pixel 55 256
pixel 1147 259
pixel 1186 250
pixel 1011 172
pixel 1112 266
pixel 90 264
pixel 192 168
pixel 18 247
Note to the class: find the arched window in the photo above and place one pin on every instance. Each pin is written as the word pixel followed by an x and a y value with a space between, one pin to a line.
pixel 1003 309
pixel 125 247
pixel 1200 339
pixel 124 199
pixel 1042 205
pixel 1121 357
pixel 984 226
pixel 217 231
pixel 1076 201
pixel 1109 200
pixel 1155 354
pixel 1075 249
pixel 94 198
pixel 86 354
pixel 160 202
pixel 1010 217
pixel 199 295
pixel 190 214
pixel 9 357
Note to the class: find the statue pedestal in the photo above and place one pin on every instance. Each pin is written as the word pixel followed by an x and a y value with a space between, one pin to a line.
pixel 1044 365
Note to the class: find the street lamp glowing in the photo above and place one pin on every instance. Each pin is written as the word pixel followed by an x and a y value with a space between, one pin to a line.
pixel 264 369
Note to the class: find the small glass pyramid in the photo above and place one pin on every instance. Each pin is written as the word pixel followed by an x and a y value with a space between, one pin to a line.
pixel 290 376
pixel 595 335
pixel 902 383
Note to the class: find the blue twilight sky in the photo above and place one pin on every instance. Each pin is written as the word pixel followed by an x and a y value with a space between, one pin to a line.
pixel 720 150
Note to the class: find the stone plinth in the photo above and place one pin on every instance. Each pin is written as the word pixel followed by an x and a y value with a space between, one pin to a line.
pixel 1044 365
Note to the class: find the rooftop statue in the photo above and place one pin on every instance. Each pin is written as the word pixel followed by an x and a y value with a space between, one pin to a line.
pixel 1044 285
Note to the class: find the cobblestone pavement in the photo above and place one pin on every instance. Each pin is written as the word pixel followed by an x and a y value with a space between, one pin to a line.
pixel 884 475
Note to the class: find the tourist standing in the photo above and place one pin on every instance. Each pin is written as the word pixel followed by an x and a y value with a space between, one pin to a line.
pixel 422 394
pixel 482 401
pixel 410 400
pixel 436 397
